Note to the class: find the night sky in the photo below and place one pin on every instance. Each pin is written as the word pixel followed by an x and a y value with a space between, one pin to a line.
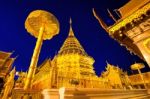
pixel 92 37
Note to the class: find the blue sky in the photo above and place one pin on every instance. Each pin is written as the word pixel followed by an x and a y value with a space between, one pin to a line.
pixel 92 37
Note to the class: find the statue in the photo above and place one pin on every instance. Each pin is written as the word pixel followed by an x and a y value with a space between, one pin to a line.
pixel 9 84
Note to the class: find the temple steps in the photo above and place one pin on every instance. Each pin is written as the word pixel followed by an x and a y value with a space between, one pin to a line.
pixel 83 93
pixel 109 97
pixel 105 94
pixel 143 97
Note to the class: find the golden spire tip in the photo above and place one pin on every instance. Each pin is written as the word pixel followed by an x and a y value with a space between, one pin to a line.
pixel 71 31
pixel 70 21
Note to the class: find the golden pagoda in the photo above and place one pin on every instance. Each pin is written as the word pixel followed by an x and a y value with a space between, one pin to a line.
pixel 71 67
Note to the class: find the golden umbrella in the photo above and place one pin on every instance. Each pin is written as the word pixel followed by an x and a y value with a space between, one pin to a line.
pixel 138 66
pixel 42 25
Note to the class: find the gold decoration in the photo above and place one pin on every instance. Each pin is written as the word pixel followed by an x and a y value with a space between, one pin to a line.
pixel 123 22
pixel 147 45
pixel 43 25
pixel 9 84
pixel 41 18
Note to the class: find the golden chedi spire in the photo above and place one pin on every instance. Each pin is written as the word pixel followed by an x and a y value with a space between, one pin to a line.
pixel 71 44
pixel 71 67
pixel 71 31
pixel 73 60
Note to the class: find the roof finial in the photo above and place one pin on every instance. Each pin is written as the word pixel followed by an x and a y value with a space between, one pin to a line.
pixel 107 62
pixel 70 22
pixel 71 31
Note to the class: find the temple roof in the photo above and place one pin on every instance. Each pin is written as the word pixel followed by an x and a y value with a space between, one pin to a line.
pixel 131 7
pixel 5 63
pixel 3 57
pixel 71 44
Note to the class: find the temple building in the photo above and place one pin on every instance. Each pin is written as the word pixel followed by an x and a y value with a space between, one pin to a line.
pixel 118 79
pixel 132 30
pixel 6 63
pixel 70 74
pixel 71 67
pixel 137 82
